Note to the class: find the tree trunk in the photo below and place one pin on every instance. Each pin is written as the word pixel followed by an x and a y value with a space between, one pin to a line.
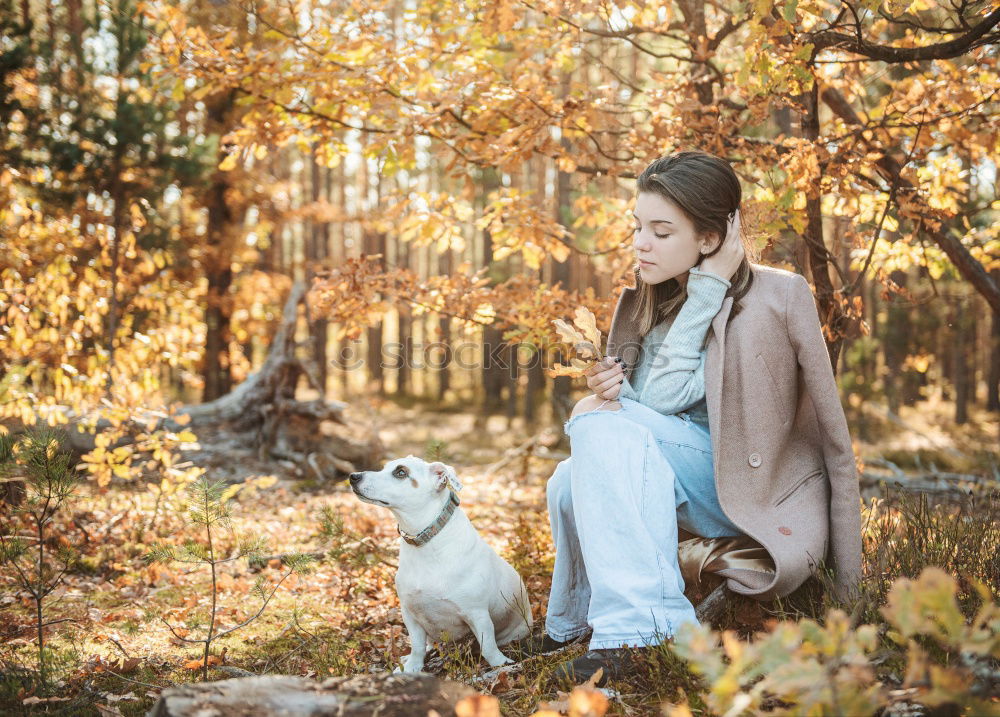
pixel 319 249
pixel 218 267
pixel 895 345
pixel 829 311
pixel 960 345
pixel 562 402
pixel 993 375
pixel 404 375
pixel 493 374
pixel 442 357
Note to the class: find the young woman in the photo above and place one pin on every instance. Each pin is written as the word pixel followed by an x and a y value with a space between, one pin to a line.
pixel 718 414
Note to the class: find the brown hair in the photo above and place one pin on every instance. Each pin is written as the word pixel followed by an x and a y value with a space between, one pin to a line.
pixel 708 191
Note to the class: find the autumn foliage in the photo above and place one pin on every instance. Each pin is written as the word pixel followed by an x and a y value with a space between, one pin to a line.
pixel 176 175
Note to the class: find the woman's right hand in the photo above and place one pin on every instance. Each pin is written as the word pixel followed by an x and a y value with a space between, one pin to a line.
pixel 727 260
pixel 605 377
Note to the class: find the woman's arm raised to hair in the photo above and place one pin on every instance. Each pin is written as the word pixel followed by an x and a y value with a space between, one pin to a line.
pixel 676 380
pixel 806 336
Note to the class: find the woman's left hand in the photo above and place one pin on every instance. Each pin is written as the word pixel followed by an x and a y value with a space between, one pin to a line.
pixel 727 260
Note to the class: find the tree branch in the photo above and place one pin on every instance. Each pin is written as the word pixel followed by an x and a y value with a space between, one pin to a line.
pixel 971 269
pixel 976 36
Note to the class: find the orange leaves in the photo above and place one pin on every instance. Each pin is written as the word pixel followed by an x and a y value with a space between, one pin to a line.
pixel 99 663
pixel 212 661
pixel 519 225
pixel 477 706
pixel 584 701
pixel 523 306
pixel 501 15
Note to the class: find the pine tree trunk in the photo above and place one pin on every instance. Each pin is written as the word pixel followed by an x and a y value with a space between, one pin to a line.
pixel 318 251
pixel 960 345
pixel 442 356
pixel 373 243
pixel 404 376
pixel 218 267
pixel 993 375
pixel 493 374
pixel 895 345
pixel 562 402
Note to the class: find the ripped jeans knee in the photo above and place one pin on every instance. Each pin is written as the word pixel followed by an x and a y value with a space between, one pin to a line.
pixel 602 409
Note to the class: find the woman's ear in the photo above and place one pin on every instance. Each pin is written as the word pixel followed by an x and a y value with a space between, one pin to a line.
pixel 708 243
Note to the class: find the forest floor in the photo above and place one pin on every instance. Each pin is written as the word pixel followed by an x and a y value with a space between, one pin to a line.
pixel 115 651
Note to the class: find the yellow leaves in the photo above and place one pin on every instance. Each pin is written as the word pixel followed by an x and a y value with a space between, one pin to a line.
pixel 429 218
pixel 104 462
pixel 178 91
pixel 566 164
pixel 517 225
pixel 485 314
pixel 925 606
pixel 808 664
pixel 228 164
pixel 138 218
pixel 428 84
pixel 900 7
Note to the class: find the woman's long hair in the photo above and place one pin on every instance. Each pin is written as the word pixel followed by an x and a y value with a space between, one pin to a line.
pixel 707 190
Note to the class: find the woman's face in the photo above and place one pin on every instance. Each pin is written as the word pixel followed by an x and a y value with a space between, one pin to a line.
pixel 664 239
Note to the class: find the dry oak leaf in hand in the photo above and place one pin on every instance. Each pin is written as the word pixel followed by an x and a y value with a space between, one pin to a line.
pixel 585 339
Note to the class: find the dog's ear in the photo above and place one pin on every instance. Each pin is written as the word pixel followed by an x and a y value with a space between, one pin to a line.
pixel 445 475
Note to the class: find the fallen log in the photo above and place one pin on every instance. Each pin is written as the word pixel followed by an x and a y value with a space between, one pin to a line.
pixel 261 414
pixel 263 411
pixel 385 695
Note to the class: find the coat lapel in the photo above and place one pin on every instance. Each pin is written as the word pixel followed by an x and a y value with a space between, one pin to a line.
pixel 714 362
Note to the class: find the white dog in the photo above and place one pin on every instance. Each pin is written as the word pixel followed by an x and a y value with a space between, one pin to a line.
pixel 449 581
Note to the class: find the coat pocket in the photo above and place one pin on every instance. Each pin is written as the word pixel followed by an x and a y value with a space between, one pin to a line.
pixel 809 477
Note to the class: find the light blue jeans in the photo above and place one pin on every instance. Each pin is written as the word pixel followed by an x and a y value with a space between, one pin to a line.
pixel 634 475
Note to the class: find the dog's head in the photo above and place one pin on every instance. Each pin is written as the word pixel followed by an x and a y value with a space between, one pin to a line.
pixel 405 483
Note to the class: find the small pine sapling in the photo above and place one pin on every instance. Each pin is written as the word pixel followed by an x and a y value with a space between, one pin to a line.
pixel 208 509
pixel 41 458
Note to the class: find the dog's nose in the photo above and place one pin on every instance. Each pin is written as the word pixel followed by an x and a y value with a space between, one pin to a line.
pixel 356 478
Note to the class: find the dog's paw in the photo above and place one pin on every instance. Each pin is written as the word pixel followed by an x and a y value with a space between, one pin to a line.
pixel 499 660
pixel 413 666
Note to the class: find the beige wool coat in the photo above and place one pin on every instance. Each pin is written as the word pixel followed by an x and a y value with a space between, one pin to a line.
pixel 784 466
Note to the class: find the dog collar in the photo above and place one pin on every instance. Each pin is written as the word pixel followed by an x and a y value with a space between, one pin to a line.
pixel 434 528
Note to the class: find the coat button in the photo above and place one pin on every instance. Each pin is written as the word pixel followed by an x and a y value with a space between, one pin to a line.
pixel 754 460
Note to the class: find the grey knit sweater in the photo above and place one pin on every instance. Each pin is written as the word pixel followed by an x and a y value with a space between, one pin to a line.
pixel 670 375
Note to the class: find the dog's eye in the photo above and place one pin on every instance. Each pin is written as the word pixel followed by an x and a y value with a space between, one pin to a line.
pixel 399 472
